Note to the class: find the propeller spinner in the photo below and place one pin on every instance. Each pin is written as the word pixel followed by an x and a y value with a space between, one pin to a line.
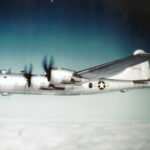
pixel 48 67
pixel 28 74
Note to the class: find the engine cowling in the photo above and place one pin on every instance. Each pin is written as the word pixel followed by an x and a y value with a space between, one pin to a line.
pixel 61 75
pixel 3 72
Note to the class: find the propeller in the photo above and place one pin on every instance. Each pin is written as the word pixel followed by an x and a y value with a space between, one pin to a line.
pixel 9 71
pixel 28 74
pixel 48 67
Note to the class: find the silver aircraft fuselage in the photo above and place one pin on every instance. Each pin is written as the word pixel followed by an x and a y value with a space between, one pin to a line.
pixel 17 84
pixel 124 74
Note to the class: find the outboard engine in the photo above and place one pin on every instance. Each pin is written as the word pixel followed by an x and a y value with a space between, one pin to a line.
pixel 3 72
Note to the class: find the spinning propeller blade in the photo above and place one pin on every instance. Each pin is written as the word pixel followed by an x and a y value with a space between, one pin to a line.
pixel 9 71
pixel 48 67
pixel 28 74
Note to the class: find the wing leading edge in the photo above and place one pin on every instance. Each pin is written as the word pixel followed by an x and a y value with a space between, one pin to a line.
pixel 108 69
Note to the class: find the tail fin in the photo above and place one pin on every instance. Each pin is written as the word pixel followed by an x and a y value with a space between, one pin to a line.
pixel 137 72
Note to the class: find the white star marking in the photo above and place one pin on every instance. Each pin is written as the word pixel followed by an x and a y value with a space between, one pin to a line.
pixel 101 85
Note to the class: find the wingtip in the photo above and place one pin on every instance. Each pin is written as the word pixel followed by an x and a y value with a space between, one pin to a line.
pixel 139 51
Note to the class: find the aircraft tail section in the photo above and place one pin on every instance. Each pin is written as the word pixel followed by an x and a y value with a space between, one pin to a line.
pixel 137 72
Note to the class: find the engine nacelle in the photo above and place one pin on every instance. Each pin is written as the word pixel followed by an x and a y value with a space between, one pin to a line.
pixel 61 75
pixel 3 72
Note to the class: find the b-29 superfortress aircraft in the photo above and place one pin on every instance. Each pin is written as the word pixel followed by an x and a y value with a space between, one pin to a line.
pixel 128 73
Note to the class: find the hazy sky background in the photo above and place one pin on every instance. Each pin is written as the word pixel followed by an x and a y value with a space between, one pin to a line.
pixel 79 34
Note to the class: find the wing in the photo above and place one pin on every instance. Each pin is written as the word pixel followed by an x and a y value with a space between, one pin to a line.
pixel 113 67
